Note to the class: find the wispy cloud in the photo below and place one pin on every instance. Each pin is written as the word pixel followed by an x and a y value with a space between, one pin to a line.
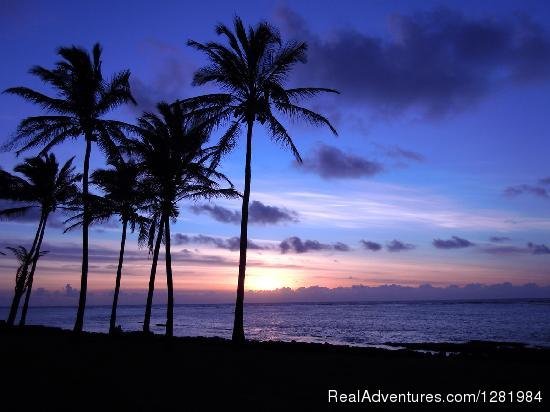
pixel 382 205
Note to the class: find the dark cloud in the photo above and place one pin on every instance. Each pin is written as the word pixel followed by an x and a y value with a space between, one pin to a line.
pixel 218 213
pixel 498 239
pixel 172 76
pixel 454 243
pixel 538 249
pixel 258 213
pixel 296 245
pixel 544 181
pixel 332 163
pixel 267 215
pixel 517 190
pixel 232 243
pixel 341 247
pixel 373 246
pixel 438 61
pixel 398 246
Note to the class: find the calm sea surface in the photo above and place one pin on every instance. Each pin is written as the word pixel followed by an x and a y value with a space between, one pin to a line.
pixel 362 324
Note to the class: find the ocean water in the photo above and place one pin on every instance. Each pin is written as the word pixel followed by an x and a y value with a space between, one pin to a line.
pixel 360 324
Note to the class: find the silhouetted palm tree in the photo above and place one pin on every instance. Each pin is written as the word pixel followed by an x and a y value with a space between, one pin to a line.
pixel 83 98
pixel 46 187
pixel 22 275
pixel 176 166
pixel 123 196
pixel 252 70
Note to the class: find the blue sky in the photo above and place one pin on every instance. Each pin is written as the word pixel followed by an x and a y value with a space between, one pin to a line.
pixel 443 134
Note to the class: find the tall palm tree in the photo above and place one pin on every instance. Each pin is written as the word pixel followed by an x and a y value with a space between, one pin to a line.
pixel 47 187
pixel 252 70
pixel 122 196
pixel 176 166
pixel 126 198
pixel 82 98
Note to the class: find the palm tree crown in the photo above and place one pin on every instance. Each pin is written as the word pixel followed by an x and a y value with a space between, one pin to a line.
pixel 82 98
pixel 252 70
pixel 44 186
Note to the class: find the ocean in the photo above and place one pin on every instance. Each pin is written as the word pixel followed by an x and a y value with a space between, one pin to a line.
pixel 358 324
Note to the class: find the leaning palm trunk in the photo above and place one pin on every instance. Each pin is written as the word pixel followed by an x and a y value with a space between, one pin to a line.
pixel 79 324
pixel 20 284
pixel 169 284
pixel 112 325
pixel 238 327
pixel 35 258
pixel 147 319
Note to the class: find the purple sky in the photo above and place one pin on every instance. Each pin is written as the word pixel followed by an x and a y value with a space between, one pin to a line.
pixel 439 174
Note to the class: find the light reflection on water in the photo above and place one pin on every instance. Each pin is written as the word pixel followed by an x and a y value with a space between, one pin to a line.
pixel 360 324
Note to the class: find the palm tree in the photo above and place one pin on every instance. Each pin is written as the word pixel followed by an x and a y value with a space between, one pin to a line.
pixel 47 187
pixel 126 198
pixel 252 70
pixel 176 166
pixel 22 278
pixel 83 98
pixel 123 196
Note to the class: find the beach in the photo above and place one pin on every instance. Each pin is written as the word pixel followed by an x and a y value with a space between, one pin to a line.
pixel 132 371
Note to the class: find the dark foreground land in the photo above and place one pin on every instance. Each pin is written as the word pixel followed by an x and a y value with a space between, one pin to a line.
pixel 52 369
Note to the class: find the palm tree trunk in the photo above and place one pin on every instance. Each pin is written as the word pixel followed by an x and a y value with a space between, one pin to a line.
pixel 147 319
pixel 169 284
pixel 20 286
pixel 238 328
pixel 112 325
pixel 36 256
pixel 79 324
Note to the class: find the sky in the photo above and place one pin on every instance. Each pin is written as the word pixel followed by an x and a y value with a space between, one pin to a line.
pixel 438 175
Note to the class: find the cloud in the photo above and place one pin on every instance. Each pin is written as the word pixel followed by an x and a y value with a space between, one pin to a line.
pixel 218 213
pixel 31 216
pixel 341 247
pixel 373 246
pixel 332 163
pixel 399 153
pixel 356 293
pixel 172 75
pixel 512 191
pixel 498 239
pixel 258 213
pixel 263 214
pixel 232 243
pixel 531 248
pixel 503 250
pixel 437 61
pixel 398 246
pixel 454 243
pixel 538 249
pixel 294 244
pixel 544 181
